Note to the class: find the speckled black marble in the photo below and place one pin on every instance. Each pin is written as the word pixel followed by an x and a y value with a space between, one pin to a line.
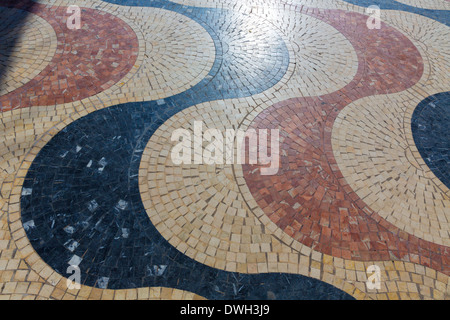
pixel 441 16
pixel 81 204
pixel 430 126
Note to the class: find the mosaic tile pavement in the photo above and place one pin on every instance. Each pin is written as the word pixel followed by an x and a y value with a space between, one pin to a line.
pixel 87 178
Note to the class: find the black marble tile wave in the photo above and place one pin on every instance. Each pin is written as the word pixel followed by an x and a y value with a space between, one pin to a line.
pixel 430 126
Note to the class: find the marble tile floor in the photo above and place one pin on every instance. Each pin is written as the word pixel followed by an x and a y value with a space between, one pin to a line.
pixel 90 190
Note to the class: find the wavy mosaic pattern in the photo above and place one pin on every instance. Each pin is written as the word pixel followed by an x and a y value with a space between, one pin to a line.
pixel 87 178
pixel 111 234
pixel 308 198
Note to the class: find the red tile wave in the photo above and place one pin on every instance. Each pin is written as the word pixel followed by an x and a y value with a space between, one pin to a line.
pixel 87 61
pixel 309 198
